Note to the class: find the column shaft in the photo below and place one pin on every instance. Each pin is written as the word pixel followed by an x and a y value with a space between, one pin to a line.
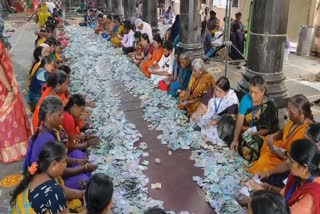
pixel 190 37
pixel 266 47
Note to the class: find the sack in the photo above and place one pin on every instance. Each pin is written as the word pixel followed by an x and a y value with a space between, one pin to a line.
pixel 226 127
pixel 250 150
pixel 163 86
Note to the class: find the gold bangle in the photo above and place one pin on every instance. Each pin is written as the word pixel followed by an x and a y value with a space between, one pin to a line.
pixel 86 167
pixel 270 187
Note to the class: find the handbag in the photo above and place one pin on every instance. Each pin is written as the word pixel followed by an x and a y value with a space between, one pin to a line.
pixel 163 85
pixel 250 148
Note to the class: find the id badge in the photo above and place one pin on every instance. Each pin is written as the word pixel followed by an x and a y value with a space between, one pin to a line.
pixel 252 129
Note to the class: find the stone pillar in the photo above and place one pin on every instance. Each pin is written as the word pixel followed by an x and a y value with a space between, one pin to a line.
pixel 101 4
pixel 150 14
pixel 190 37
pixel 129 7
pixel 266 47
pixel 117 8
pixel 108 6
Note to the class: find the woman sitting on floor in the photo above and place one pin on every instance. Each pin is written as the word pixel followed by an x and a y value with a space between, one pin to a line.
pixel 132 50
pixel 182 71
pixel 118 32
pixel 152 58
pixel 257 118
pixel 98 195
pixel 147 50
pixel 200 82
pixel 57 85
pixel 267 202
pixel 39 79
pixel 138 50
pixel 38 54
pixel 51 116
pixel 128 39
pixel 224 101
pixel 302 191
pixel 274 145
pixel 278 174
pixel 39 192
pixel 72 112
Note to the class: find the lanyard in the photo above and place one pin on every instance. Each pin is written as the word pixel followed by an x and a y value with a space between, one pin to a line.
pixel 292 131
pixel 217 107
pixel 294 187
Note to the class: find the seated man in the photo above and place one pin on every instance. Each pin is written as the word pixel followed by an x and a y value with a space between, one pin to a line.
pixel 164 68
pixel 144 27
pixel 212 43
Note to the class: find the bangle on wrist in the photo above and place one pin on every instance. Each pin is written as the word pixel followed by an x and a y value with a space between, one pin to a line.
pixel 270 187
pixel 86 167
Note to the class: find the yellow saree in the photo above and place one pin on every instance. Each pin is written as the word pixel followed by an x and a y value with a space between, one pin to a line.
pixel 23 206
pixel 115 40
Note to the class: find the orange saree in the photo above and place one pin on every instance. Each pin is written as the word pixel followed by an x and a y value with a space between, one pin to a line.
pixel 45 93
pixel 156 56
pixel 268 159
pixel 15 128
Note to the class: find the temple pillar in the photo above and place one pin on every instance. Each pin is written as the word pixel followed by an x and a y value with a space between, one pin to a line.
pixel 190 37
pixel 117 8
pixel 266 47
pixel 108 6
pixel 129 8
pixel 150 14
pixel 101 4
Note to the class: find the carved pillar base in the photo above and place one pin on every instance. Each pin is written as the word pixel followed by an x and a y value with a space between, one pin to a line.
pixel 275 81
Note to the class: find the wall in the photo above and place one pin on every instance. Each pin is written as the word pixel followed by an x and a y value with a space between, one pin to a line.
pixel 301 12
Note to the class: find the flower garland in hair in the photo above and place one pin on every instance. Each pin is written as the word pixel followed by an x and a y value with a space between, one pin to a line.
pixel 33 168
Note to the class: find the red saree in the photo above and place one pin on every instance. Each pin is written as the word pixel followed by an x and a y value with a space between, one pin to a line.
pixel 14 123
pixel 311 188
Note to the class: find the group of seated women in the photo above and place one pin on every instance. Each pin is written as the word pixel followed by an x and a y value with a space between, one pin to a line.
pixel 58 149
pixel 57 167
pixel 250 127
pixel 58 116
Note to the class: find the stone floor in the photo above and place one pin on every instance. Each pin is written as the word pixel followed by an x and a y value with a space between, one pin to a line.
pixel 297 67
